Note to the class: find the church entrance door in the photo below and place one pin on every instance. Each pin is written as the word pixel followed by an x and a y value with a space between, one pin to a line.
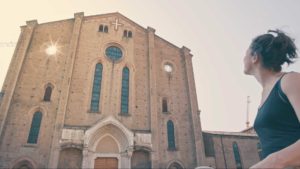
pixel 106 163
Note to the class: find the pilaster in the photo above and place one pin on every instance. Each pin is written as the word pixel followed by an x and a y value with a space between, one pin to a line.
pixel 14 70
pixel 193 107
pixel 153 97
pixel 65 88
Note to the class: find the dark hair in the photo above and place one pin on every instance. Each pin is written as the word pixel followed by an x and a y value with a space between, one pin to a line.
pixel 274 50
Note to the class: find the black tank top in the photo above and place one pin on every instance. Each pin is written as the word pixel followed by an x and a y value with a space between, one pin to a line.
pixel 276 122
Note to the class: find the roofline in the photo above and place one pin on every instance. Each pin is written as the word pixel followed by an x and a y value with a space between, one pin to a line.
pixel 230 133
pixel 249 128
pixel 112 13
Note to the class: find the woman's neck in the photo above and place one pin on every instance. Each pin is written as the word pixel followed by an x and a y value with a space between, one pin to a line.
pixel 267 77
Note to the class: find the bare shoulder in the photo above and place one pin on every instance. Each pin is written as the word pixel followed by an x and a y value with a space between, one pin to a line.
pixel 290 83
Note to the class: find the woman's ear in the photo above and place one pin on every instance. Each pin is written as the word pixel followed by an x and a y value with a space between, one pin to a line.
pixel 255 58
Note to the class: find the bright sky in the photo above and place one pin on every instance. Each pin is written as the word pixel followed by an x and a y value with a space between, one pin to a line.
pixel 217 32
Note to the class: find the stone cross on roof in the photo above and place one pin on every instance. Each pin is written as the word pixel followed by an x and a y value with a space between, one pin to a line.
pixel 116 24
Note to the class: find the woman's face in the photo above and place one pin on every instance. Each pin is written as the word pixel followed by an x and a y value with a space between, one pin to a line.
pixel 248 62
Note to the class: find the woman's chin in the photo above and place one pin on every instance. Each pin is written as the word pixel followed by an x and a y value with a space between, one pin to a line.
pixel 246 72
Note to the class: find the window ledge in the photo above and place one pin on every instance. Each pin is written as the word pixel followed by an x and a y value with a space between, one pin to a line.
pixel 172 149
pixel 166 112
pixel 124 114
pixel 93 112
pixel 30 145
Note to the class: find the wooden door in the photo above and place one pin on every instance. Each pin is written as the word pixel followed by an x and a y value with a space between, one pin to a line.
pixel 106 163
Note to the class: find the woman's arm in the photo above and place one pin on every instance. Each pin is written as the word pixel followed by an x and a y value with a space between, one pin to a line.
pixel 289 156
pixel 290 85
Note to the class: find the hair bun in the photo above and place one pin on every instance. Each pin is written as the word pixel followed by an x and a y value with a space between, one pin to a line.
pixel 275 48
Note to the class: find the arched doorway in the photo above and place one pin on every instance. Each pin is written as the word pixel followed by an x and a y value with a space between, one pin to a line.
pixel 23 165
pixel 175 165
pixel 70 158
pixel 108 141
pixel 107 146
pixel 141 160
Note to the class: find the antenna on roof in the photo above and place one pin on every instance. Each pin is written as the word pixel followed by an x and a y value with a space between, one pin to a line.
pixel 247 115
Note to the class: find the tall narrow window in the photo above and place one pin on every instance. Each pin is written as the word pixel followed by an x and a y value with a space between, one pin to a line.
pixel 171 135
pixel 35 128
pixel 164 105
pixel 96 88
pixel 101 28
pixel 125 33
pixel 129 34
pixel 125 91
pixel 259 151
pixel 106 29
pixel 237 156
pixel 48 92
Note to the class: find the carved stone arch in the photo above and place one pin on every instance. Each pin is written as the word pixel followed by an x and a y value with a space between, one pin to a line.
pixel 49 84
pixel 108 128
pixel 175 164
pixel 92 135
pixel 92 67
pixel 113 146
pixel 24 163
pixel 130 66
pixel 39 108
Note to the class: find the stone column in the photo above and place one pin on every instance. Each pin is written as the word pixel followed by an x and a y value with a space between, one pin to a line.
pixel 15 69
pixel 86 158
pixel 193 107
pixel 153 97
pixel 126 159
pixel 65 87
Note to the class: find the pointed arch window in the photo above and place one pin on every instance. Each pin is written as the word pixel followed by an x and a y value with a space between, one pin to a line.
pixel 48 92
pixel 125 91
pixel 164 105
pixel 237 156
pixel 96 88
pixel 171 135
pixel 106 29
pixel 125 33
pixel 101 28
pixel 35 128
pixel 129 34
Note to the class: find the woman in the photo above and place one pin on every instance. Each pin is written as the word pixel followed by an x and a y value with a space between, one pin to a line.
pixel 278 119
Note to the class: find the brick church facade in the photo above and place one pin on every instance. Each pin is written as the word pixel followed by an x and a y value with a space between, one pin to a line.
pixel 102 91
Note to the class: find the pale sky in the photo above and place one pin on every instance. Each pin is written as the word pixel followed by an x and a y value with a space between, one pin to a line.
pixel 218 33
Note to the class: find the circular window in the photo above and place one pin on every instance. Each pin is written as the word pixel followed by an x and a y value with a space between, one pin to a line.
pixel 114 53
pixel 168 68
